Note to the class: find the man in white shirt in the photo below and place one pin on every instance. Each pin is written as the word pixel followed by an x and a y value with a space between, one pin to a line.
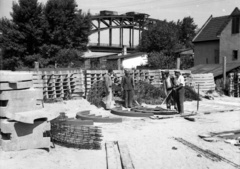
pixel 180 91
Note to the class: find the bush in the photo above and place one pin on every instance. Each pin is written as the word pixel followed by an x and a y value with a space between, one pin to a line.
pixel 69 58
pixel 159 60
pixel 190 94
pixel 143 93
pixel 147 93
pixel 98 92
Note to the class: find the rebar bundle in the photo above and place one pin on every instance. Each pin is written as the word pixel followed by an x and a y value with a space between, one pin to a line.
pixel 81 137
pixel 207 153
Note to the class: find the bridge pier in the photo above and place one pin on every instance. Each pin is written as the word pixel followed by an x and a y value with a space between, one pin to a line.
pixel 99 38
pixel 130 37
pixel 110 32
pixel 121 33
pixel 133 37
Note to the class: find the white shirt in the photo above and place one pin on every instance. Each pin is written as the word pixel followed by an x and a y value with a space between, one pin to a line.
pixel 180 80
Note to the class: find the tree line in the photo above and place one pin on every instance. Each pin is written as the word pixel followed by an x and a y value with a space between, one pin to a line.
pixel 56 32
pixel 163 39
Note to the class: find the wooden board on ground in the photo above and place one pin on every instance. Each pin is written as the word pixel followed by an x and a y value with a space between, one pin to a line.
pixel 125 156
pixel 113 155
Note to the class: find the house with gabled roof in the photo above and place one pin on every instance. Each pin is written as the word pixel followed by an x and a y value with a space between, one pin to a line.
pixel 218 37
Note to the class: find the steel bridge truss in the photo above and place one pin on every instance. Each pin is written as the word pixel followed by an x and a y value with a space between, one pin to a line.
pixel 101 23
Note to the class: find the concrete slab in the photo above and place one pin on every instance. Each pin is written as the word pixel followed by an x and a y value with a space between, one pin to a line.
pixel 20 100
pixel 13 77
pixel 15 86
pixel 30 116
pixel 22 144
pixel 19 136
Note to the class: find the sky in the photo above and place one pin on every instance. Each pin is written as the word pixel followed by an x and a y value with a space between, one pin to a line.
pixel 200 10
pixel 171 10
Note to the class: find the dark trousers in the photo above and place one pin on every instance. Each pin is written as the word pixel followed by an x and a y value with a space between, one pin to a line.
pixel 169 100
pixel 128 98
pixel 180 99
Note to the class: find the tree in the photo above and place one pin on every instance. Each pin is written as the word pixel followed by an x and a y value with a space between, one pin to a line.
pixel 160 37
pixel 68 29
pixel 159 60
pixel 187 31
pixel 44 34
pixel 22 36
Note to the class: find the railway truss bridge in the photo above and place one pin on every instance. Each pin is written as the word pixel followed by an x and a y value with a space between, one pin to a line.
pixel 133 22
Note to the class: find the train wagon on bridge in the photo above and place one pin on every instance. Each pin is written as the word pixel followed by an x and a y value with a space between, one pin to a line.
pixel 108 13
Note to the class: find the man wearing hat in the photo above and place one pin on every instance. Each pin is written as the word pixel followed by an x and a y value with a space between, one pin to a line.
pixel 180 91
pixel 128 87
pixel 168 89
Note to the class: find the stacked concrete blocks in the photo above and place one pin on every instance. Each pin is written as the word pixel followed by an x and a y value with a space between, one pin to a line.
pixel 18 96
pixel 60 83
pixel 20 136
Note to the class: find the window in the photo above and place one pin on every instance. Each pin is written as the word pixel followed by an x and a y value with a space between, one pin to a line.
pixel 235 25
pixel 235 55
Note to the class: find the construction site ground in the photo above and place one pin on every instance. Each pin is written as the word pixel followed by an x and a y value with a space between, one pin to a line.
pixel 150 142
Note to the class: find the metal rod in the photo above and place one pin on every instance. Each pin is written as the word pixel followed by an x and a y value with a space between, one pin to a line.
pixel 207 153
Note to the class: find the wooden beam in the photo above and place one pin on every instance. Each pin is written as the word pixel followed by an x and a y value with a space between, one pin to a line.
pixel 224 71
pixel 125 156
pixel 113 155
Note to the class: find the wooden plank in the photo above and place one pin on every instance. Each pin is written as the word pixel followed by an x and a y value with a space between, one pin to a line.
pixel 113 156
pixel 125 156
pixel 130 113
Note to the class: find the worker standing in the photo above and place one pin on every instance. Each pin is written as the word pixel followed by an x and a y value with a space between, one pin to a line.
pixel 168 89
pixel 180 91
pixel 108 85
pixel 128 87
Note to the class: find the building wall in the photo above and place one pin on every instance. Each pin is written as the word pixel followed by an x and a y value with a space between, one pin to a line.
pixel 204 52
pixel 133 62
pixel 228 43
